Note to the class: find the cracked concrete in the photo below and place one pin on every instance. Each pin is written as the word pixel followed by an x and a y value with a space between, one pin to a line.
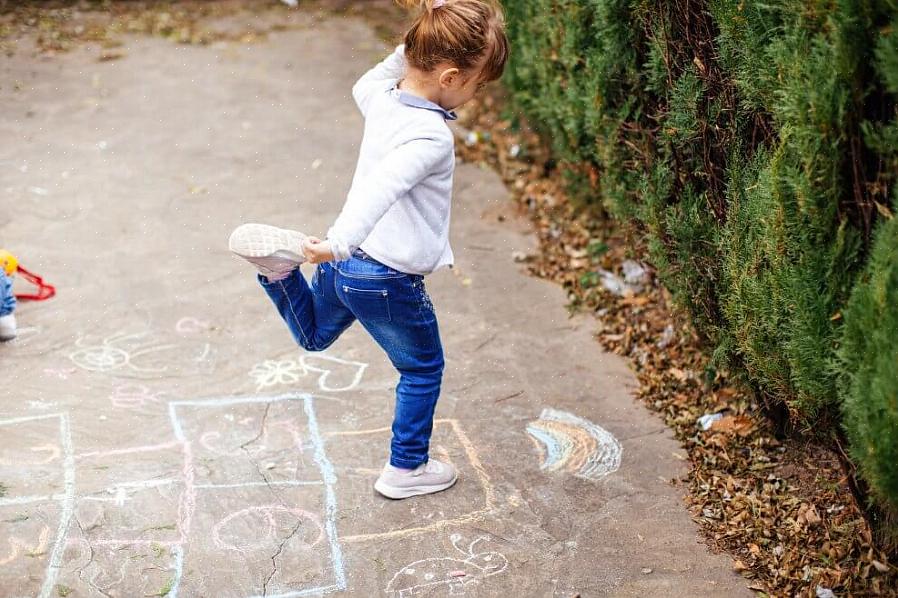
pixel 160 350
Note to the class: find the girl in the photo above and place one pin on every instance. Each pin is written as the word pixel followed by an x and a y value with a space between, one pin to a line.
pixel 394 227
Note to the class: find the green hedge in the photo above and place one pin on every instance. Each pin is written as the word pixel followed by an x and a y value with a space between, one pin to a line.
pixel 752 144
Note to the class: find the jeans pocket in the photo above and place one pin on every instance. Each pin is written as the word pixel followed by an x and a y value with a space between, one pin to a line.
pixel 368 305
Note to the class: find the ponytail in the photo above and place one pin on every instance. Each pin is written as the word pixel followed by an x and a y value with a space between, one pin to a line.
pixel 460 32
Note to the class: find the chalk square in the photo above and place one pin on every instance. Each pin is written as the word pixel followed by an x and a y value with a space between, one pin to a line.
pixel 238 440
pixel 126 515
pixel 358 458
pixel 319 484
pixel 245 527
pixel 32 457
pixel 105 473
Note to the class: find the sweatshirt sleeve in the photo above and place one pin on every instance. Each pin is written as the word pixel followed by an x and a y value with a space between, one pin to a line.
pixel 373 195
pixel 379 78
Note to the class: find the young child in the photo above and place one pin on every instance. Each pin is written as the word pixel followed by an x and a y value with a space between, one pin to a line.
pixel 394 227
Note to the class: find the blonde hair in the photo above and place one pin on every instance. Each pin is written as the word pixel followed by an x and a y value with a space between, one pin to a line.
pixel 460 32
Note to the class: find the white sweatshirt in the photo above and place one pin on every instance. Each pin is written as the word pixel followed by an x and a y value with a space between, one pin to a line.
pixel 397 210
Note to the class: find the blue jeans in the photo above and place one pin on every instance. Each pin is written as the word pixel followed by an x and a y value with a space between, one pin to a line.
pixel 7 299
pixel 396 311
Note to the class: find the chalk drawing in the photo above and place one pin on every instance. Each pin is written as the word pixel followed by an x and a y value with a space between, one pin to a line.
pixel 121 493
pixel 273 373
pixel 114 353
pixel 289 371
pixel 66 499
pixel 453 572
pixel 318 528
pixel 575 445
pixel 326 365
pixel 17 546
pixel 191 325
pixel 269 515
pixel 133 396
pixel 132 352
pixel 187 505
pixel 489 494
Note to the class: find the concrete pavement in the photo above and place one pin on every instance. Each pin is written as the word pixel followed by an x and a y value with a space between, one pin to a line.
pixel 160 434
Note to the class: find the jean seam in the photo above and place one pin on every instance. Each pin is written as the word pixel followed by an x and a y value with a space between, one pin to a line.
pixel 293 312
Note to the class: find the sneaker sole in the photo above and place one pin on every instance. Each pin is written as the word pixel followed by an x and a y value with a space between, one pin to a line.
pixel 264 241
pixel 400 493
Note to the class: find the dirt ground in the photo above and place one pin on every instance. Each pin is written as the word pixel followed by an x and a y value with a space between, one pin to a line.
pixel 163 436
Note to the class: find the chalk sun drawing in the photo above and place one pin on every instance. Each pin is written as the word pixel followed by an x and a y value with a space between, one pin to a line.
pixel 140 354
pixel 115 352
pixel 576 445
pixel 453 572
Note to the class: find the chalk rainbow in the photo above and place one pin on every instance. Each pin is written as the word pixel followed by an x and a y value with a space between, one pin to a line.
pixel 575 445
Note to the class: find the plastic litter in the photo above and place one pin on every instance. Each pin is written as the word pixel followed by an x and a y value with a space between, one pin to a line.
pixel 635 273
pixel 824 592
pixel 613 283
pixel 707 420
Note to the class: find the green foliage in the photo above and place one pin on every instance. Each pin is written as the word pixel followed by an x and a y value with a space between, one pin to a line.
pixel 751 144
pixel 869 354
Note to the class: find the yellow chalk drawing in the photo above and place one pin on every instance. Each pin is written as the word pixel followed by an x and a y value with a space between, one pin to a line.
pixel 489 494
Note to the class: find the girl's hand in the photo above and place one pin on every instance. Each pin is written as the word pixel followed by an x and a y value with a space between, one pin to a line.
pixel 317 251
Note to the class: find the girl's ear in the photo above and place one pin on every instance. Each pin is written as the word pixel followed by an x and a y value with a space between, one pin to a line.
pixel 448 77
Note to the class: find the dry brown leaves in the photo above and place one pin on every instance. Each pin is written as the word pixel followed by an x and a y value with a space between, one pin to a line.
pixel 782 509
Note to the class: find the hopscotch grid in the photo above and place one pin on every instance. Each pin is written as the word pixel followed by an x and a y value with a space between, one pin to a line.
pixel 66 500
pixel 330 479
pixel 321 459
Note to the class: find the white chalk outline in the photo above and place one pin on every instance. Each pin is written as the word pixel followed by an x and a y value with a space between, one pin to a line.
pixel 454 583
pixel 67 499
pixel 275 372
pixel 325 467
pixel 360 371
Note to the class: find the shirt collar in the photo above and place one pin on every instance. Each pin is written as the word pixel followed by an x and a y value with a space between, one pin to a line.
pixel 418 102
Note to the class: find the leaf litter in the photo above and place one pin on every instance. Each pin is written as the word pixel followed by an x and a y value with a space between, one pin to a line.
pixel 782 508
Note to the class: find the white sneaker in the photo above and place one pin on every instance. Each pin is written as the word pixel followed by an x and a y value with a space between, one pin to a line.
pixel 275 252
pixel 7 327
pixel 427 478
